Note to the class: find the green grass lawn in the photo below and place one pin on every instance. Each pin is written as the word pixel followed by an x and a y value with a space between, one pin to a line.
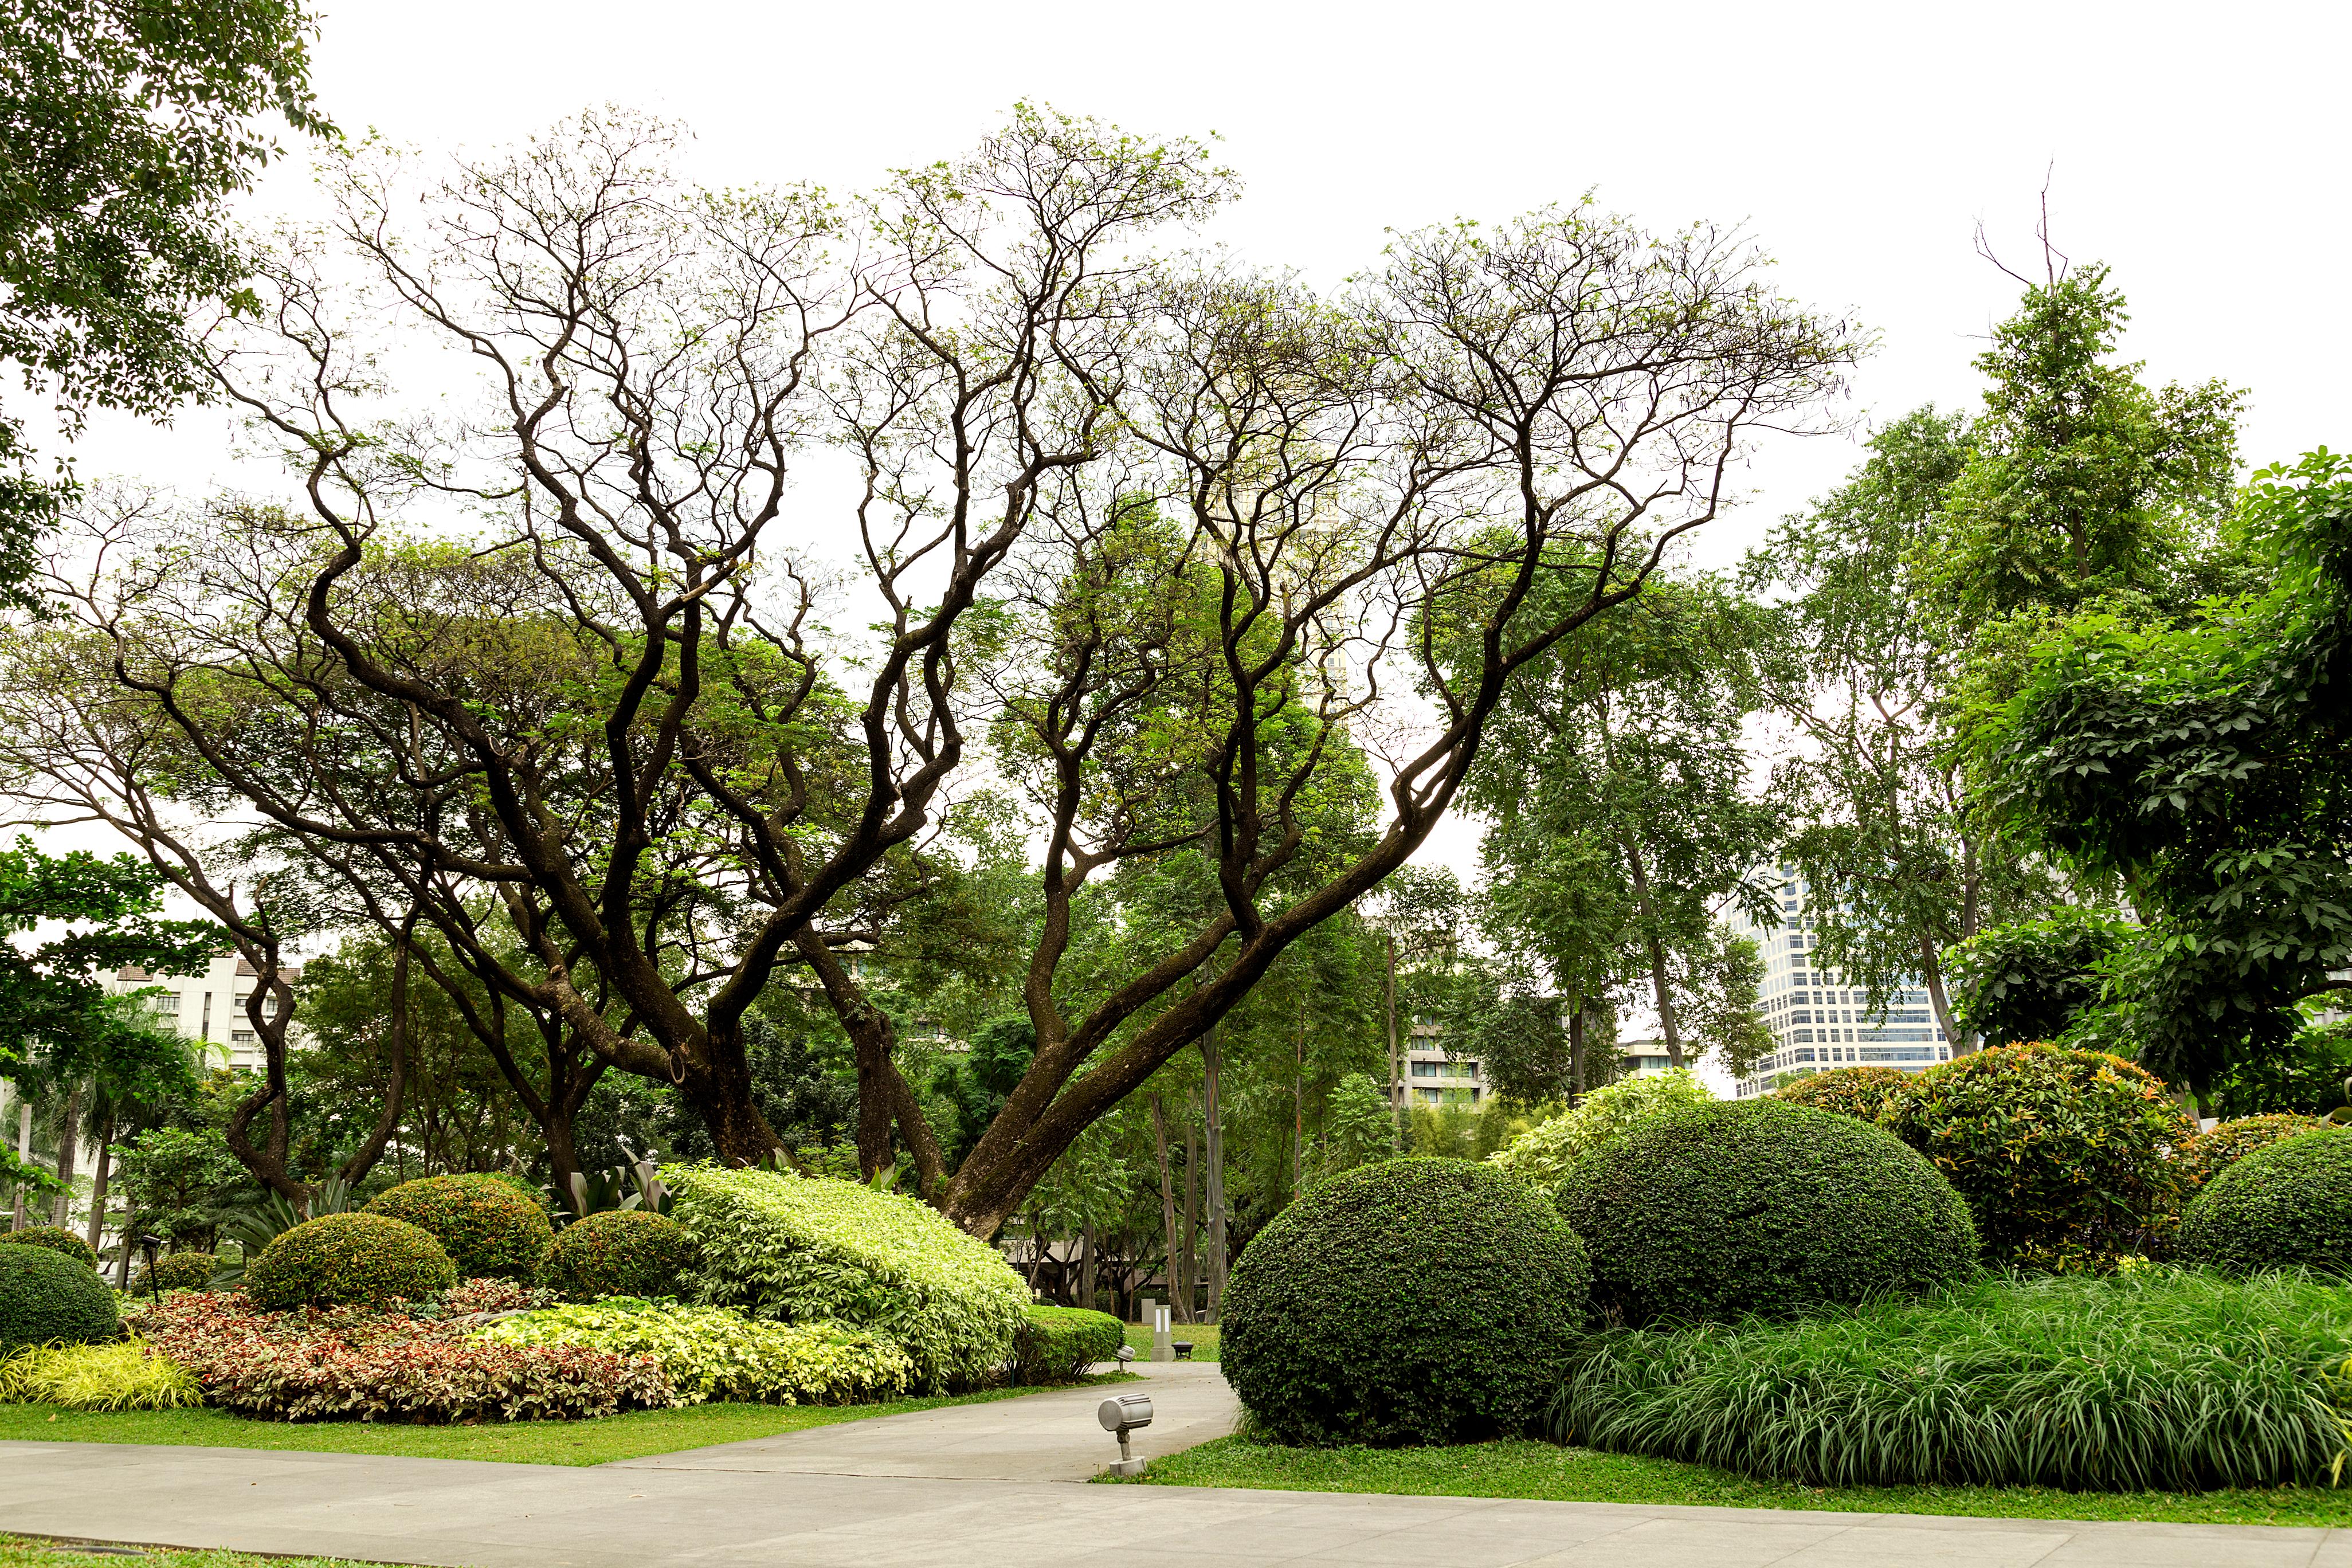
pixel 1542 1470
pixel 22 1551
pixel 1203 1335
pixel 628 1437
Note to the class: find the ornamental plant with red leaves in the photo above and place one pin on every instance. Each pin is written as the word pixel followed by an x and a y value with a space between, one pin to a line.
pixel 347 1364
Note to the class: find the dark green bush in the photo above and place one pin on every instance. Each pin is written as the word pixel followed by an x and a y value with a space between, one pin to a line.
pixel 619 1252
pixel 183 1271
pixel 2287 1205
pixel 56 1240
pixel 47 1295
pixel 356 1258
pixel 1411 1301
pixel 1860 1092
pixel 2213 1151
pixel 2065 1157
pixel 490 1228
pixel 1758 1205
pixel 1057 1344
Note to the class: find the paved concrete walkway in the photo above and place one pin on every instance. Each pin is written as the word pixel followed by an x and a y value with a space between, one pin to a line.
pixel 851 1497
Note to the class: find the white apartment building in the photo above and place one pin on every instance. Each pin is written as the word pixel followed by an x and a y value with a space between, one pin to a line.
pixel 1432 1077
pixel 1818 1020
pixel 209 1006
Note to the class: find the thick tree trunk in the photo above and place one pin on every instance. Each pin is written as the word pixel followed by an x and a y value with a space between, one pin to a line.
pixel 1086 1267
pixel 884 1096
pixel 717 1087
pixel 1214 1124
pixel 1660 987
pixel 1931 971
pixel 69 1149
pixel 97 1178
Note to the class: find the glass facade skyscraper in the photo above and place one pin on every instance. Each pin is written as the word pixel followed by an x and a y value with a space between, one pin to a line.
pixel 1817 1021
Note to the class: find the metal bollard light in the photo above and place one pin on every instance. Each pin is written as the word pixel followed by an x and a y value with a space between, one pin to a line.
pixel 1123 1413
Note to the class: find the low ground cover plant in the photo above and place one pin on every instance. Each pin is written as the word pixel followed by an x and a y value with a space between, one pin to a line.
pixel 807 1249
pixel 2067 1158
pixel 57 1238
pixel 1417 1300
pixel 619 1252
pixel 2162 1379
pixel 1542 1155
pixel 717 1352
pixel 2287 1205
pixel 346 1362
pixel 1861 1092
pixel 341 1259
pixel 123 1375
pixel 489 1228
pixel 1761 1206
pixel 50 1297
pixel 1057 1344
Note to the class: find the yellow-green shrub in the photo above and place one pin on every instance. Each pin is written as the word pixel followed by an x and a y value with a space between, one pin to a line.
pixel 124 1375
pixel 805 1249
pixel 712 1352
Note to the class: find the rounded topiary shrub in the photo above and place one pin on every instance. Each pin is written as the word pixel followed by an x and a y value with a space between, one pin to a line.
pixel 1860 1092
pixel 358 1258
pixel 47 1295
pixel 1758 1205
pixel 2286 1205
pixel 56 1240
pixel 183 1271
pixel 619 1252
pixel 1412 1302
pixel 2065 1157
pixel 2215 1151
pixel 489 1228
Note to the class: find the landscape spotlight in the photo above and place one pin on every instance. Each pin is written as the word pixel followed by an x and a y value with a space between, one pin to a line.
pixel 1123 1413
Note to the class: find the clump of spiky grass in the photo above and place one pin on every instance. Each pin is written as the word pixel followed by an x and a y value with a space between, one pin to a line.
pixel 2163 1380
pixel 123 1375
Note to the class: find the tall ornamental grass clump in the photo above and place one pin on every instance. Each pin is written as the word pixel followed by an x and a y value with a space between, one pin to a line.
pixel 1758 1205
pixel 2159 1379
pixel 123 1375
pixel 807 1249
pixel 1542 1155
pixel 2067 1158
pixel 1411 1301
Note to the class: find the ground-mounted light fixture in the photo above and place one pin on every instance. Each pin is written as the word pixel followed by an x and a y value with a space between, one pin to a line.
pixel 1123 1413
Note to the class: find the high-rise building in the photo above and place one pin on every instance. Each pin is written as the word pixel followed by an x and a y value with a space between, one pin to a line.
pixel 1820 1021
pixel 209 1007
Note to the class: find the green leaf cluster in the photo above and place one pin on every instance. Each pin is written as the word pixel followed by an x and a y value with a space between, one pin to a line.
pixel 717 1353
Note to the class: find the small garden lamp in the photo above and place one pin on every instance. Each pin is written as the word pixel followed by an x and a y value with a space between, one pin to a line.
pixel 1123 1413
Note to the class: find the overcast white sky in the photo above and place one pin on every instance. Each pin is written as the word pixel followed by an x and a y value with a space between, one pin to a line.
pixel 2201 151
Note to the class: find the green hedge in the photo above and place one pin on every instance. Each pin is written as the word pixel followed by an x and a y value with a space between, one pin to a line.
pixel 1758 1206
pixel 1861 1092
pixel 806 1249
pixel 715 1353
pixel 181 1271
pixel 1057 1344
pixel 47 1295
pixel 56 1240
pixel 1541 1155
pixel 2287 1205
pixel 619 1252
pixel 2159 1379
pixel 1416 1300
pixel 2066 1157
pixel 2212 1153
pixel 488 1226
pixel 348 1258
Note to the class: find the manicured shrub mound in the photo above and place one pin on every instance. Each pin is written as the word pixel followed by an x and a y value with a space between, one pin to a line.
pixel 47 1295
pixel 346 1363
pixel 489 1228
pixel 1057 1344
pixel 124 1375
pixel 1542 1155
pixel 2212 1153
pixel 804 1249
pixel 1412 1302
pixel 2287 1205
pixel 716 1352
pixel 181 1271
pixel 2158 1380
pixel 2065 1157
pixel 348 1258
pixel 1758 1206
pixel 56 1240
pixel 1861 1092
pixel 619 1252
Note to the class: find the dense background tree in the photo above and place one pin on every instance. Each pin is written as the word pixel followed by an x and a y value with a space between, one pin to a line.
pixel 124 127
